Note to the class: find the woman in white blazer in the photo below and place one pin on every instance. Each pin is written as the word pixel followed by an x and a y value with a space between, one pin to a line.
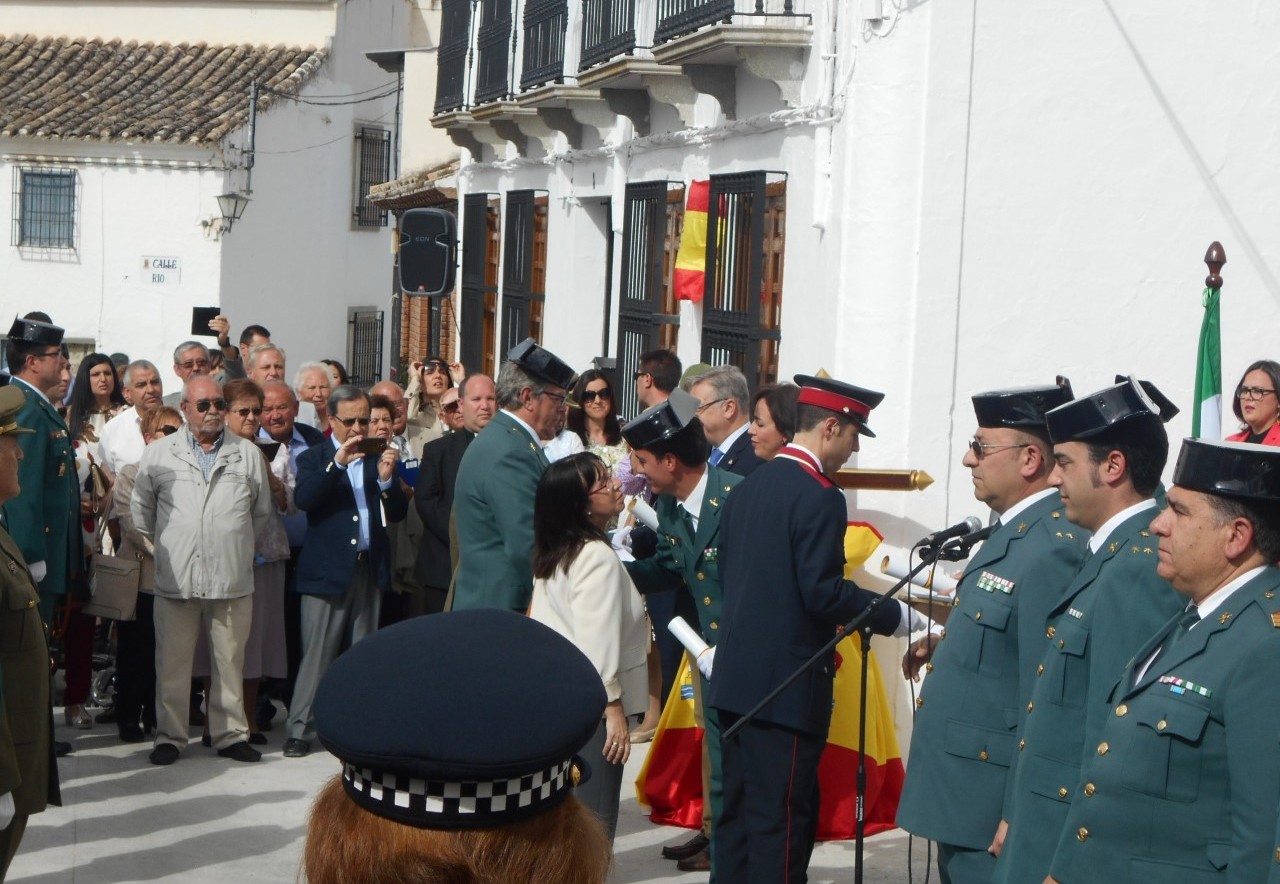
pixel 582 591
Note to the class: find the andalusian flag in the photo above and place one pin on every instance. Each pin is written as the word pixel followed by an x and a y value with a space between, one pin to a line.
pixel 1206 421
pixel 689 278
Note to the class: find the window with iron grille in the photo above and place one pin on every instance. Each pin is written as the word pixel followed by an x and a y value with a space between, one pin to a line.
pixel 481 253
pixel 455 40
pixel 373 166
pixel 524 267
pixel 364 339
pixel 742 303
pixel 44 208
pixel 493 50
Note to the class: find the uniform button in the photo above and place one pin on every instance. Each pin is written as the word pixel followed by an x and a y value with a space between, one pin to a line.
pixel 1082 834
pixel 353 541
pixel 1039 669
pixel 355 518
pixel 715 625
pixel 1122 710
pixel 46 530
pixel 928 667
pixel 702 576
pixel 1030 705
pixel 919 702
pixel 982 756
pixel 1103 748
pixel 943 634
pixel 1089 789
pixel 1022 744
pixel 1278 854
pixel 1050 632
pixel 1062 643
pixel 31 604
pixel 977 616
pixel 1062 792
pixel 1161 724
pixel 706 600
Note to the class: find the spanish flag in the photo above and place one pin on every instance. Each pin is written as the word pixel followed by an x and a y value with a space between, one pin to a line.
pixel 689 278
pixel 670 782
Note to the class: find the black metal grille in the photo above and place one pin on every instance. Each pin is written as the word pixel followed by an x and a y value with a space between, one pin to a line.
pixel 451 59
pixel 640 314
pixel 44 208
pixel 493 48
pixel 544 29
pixel 608 30
pixel 373 150
pixel 679 17
pixel 477 287
pixel 522 296
pixel 366 347
pixel 734 321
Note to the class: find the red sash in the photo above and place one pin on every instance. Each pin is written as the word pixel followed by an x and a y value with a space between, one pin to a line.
pixel 806 461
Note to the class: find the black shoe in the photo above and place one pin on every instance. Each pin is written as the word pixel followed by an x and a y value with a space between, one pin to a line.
pixel 699 862
pixel 241 751
pixel 131 733
pixel 60 748
pixel 165 753
pixel 106 716
pixel 698 843
pixel 295 748
pixel 258 739
pixel 206 741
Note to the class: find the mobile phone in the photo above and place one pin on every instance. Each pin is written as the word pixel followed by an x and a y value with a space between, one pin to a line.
pixel 270 449
pixel 371 446
pixel 200 319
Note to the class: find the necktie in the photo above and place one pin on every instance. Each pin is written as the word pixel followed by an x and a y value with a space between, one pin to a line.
pixel 687 518
pixel 714 459
pixel 1189 619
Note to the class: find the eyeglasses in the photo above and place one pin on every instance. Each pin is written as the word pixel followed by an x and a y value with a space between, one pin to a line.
pixel 638 375
pixel 349 422
pixel 245 412
pixel 980 449
pixel 704 406
pixel 193 364
pixel 47 355
pixel 559 397
pixel 593 395
pixel 167 430
pixel 433 366
pixel 451 407
pixel 1252 392
pixel 203 405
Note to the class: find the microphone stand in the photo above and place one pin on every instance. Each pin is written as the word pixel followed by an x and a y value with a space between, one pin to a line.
pixel 952 551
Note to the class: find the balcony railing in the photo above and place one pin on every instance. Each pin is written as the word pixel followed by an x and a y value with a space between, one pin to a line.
pixel 545 22
pixel 679 17
pixel 455 38
pixel 493 51
pixel 608 30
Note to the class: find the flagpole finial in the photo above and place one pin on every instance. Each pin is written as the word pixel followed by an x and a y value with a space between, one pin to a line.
pixel 1214 259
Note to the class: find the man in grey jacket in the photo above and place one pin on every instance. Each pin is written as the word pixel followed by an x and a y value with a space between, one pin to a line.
pixel 202 498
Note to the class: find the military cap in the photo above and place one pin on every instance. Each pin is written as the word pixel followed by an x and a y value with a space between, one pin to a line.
pixel 11 402
pixel 1230 469
pixel 542 364
pixel 435 727
pixel 663 421
pixel 1020 406
pixel 837 396
pixel 33 331
pixel 1094 415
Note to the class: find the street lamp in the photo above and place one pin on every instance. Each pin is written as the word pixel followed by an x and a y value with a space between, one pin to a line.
pixel 232 206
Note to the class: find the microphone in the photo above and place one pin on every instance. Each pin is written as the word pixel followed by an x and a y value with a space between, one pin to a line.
pixel 958 547
pixel 968 526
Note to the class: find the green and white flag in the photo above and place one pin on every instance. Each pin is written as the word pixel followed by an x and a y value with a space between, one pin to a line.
pixel 1206 421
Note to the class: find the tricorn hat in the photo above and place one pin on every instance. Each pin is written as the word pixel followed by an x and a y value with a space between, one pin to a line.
pixel 1094 415
pixel 1230 469
pixel 33 331
pixel 542 363
pixel 661 422
pixel 1020 407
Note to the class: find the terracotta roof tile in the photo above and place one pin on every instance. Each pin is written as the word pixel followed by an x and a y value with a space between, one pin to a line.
pixel 69 88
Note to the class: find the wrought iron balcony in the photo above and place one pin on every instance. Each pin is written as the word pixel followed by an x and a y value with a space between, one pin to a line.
pixel 493 51
pixel 451 60
pixel 608 30
pixel 679 17
pixel 545 23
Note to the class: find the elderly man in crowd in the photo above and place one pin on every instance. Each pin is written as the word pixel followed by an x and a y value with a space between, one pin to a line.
pixel 202 497
pixel 493 504
pixel 723 396
pixel 265 362
pixel 121 439
pixel 437 475
pixel 451 409
pixel 189 358
pixel 236 358
pixel 406 596
pixel 348 496
pixel 312 385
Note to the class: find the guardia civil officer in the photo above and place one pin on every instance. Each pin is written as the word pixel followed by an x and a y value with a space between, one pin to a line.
pixel 670 449
pixel 964 738
pixel 1181 786
pixel 1110 448
pixel 782 554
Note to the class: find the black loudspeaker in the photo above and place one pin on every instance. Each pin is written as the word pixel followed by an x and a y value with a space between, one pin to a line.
pixel 428 252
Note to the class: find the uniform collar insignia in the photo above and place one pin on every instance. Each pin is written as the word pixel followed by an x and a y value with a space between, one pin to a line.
pixel 1222 620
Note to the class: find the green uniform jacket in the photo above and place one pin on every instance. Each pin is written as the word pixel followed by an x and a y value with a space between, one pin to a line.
pixel 44 518
pixel 680 562
pixel 963 742
pixel 27 768
pixel 493 508
pixel 1112 607
pixel 1182 786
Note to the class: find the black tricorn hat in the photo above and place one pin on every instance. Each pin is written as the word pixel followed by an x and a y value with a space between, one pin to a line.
pixel 837 396
pixel 33 331
pixel 1023 407
pixel 542 363
pixel 663 421
pixel 1095 414
pixel 1230 469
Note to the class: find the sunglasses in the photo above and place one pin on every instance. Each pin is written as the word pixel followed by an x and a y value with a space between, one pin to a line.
pixel 203 405
pixel 451 408
pixel 592 395
pixel 434 366
pixel 349 422
pixel 980 449
pixel 245 412
pixel 166 431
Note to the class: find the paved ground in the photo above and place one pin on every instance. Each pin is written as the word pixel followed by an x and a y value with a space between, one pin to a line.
pixel 206 819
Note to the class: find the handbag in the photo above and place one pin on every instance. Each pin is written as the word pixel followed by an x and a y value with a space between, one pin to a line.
pixel 114 587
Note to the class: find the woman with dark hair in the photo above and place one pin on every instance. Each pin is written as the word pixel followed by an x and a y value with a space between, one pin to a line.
pixel 1257 404
pixel 337 373
pixel 582 591
pixel 427 382
pixel 595 419
pixel 773 418
pixel 96 397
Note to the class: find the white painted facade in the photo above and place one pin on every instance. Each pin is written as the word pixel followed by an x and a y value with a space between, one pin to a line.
pixel 294 263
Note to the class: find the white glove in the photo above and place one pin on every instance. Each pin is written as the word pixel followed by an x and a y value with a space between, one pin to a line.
pixel 705 661
pixel 912 621
pixel 621 541
pixel 6 810
pixel 38 571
